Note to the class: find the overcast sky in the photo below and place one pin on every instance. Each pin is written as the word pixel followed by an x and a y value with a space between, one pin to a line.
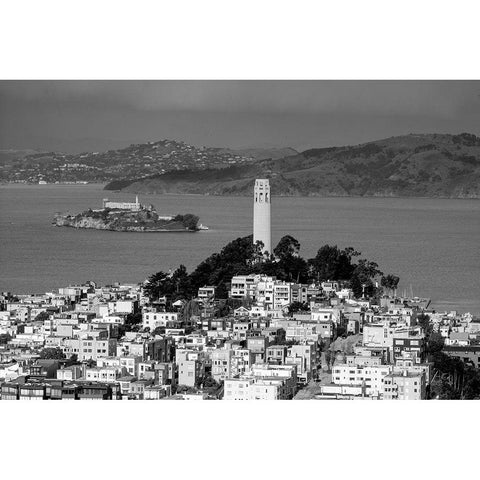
pixel 96 115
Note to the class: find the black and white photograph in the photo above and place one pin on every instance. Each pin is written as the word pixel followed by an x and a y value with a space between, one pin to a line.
pixel 251 205
pixel 240 240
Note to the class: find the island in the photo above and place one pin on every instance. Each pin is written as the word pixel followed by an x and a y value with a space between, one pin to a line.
pixel 129 217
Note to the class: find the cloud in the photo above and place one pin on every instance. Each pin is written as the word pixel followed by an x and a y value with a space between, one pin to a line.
pixel 428 98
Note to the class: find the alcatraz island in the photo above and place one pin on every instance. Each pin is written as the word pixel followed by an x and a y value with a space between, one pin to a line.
pixel 129 217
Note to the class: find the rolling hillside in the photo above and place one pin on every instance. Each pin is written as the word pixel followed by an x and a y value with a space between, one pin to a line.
pixel 432 165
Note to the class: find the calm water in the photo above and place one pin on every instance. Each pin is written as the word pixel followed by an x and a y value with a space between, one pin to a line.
pixel 433 245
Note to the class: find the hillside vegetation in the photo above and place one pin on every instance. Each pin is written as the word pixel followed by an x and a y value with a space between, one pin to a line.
pixel 430 165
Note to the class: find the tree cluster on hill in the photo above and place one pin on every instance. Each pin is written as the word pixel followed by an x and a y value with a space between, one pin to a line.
pixel 243 257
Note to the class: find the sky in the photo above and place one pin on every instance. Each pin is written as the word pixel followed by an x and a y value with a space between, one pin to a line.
pixel 77 116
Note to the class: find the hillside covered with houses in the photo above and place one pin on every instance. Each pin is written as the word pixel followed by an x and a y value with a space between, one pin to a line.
pixel 270 331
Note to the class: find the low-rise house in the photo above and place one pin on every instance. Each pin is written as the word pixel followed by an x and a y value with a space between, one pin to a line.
pixel 206 293
pixel 258 347
pixel 191 367
pixel 71 373
pixel 221 364
pixel 276 354
pixel 157 392
pixel 306 358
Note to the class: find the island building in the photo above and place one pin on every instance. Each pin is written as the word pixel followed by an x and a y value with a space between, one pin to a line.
pixel 134 207
pixel 261 214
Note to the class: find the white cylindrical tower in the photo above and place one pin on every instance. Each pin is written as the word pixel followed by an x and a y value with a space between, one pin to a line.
pixel 261 214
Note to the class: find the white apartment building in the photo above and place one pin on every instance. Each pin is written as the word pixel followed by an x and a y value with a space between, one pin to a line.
pixel 189 372
pixel 305 357
pixel 94 348
pixel 102 374
pixel 372 377
pixel 282 295
pixel 378 334
pixel 127 365
pixel 237 388
pixel 191 365
pixel 326 314
pixel 121 306
pixel 244 286
pixel 265 291
pixel 255 389
pixel 206 293
pixel 153 320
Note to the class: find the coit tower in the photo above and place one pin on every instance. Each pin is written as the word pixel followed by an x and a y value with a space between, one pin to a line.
pixel 261 214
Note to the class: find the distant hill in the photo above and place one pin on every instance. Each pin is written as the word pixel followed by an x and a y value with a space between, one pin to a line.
pixel 431 165
pixel 134 161
pixel 262 153
pixel 7 156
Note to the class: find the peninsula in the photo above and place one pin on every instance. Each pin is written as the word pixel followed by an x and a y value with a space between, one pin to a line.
pixel 129 217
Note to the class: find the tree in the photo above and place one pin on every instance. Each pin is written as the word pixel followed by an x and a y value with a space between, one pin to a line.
pixel 156 285
pixel 188 220
pixel 5 338
pixel 42 316
pixel 424 321
pixel 295 307
pixel 329 356
pixel 209 382
pixel 247 301
pixel 331 263
pixel 238 257
pixel 435 343
pixel 190 309
pixel 287 247
pixel 362 277
pixel 52 353
pixel 471 381
pixel 341 331
pixel 390 282
pixel 73 360
pixel 133 319
pixel 366 270
pixel 158 331
pixel 180 283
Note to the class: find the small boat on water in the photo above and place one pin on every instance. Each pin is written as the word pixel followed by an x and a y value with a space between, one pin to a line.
pixel 202 227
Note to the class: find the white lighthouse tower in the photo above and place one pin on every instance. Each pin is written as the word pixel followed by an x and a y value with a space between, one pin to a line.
pixel 261 214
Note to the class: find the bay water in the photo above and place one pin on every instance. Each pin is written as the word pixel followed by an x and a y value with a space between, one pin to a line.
pixel 432 244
